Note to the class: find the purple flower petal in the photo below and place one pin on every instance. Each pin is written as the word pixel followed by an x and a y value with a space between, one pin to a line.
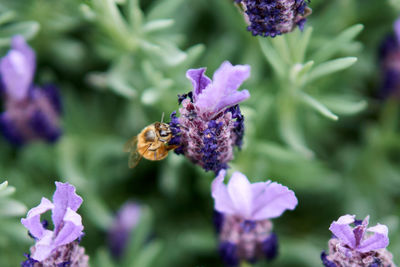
pixel 198 79
pixel 32 221
pixel 223 202
pixel 71 229
pixel 359 230
pixel 397 30
pixel 239 189
pixel 222 92
pixel 44 246
pixel 343 231
pixel 124 223
pixel 17 68
pixel 377 241
pixel 271 201
pixel 64 198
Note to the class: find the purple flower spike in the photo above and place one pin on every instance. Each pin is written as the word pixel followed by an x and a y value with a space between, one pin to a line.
pixel 17 69
pixel 396 27
pixel 358 245
pixel 272 18
pixel 242 217
pixel 60 245
pixel 126 220
pixel 31 113
pixel 210 122
pixel 389 57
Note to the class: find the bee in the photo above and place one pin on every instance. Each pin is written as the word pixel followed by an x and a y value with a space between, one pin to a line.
pixel 151 143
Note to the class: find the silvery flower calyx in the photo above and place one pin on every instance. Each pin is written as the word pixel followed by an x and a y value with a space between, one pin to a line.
pixel 211 124
pixel 60 246
pixel 357 245
pixel 31 112
pixel 243 213
pixel 274 17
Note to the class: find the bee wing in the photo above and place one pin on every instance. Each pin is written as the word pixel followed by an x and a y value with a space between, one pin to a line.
pixel 134 159
pixel 131 144
pixel 134 156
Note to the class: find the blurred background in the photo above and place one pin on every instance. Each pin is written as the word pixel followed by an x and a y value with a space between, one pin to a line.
pixel 120 64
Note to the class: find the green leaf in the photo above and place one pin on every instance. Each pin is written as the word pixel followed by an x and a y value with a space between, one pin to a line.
pixel 5 192
pixel 332 46
pixel 28 29
pixel 298 42
pixel 157 25
pixel 345 105
pixel 318 106
pixel 3 185
pixel 138 236
pixel 272 56
pixel 7 17
pixel 103 259
pixel 329 67
pixel 289 128
pixel 135 14
pixel 148 255
pixel 163 9
pixel 299 71
pixel 170 54
pixel 281 46
pixel 9 207
pixel 97 211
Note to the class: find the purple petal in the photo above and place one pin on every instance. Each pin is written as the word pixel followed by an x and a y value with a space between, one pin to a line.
pixel 32 221
pixel 269 246
pixel 198 79
pixel 343 231
pixel 397 30
pixel 359 230
pixel 10 129
pixel 377 241
pixel 124 223
pixel 71 230
pixel 270 200
pixel 222 92
pixel 44 246
pixel 239 189
pixel 17 68
pixel 223 202
pixel 64 198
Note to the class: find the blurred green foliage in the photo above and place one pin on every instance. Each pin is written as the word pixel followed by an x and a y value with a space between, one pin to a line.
pixel 120 65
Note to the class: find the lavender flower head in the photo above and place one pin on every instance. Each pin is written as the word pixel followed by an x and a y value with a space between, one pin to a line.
pixel 242 217
pixel 60 246
pixel 210 122
pixel 274 17
pixel 126 220
pixel 357 246
pixel 31 112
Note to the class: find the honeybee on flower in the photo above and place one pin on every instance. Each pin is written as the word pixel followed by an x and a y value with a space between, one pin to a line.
pixel 151 143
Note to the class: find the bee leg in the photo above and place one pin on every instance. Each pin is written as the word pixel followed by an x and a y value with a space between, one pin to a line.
pixel 155 155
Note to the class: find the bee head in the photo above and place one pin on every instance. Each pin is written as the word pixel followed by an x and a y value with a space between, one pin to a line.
pixel 163 129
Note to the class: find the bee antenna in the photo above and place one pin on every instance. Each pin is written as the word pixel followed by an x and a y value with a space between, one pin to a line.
pixel 162 117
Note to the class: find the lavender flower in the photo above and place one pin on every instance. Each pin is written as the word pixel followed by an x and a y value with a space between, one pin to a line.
pixel 358 245
pixel 243 213
pixel 211 123
pixel 126 220
pixel 390 63
pixel 59 247
pixel 274 17
pixel 30 112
